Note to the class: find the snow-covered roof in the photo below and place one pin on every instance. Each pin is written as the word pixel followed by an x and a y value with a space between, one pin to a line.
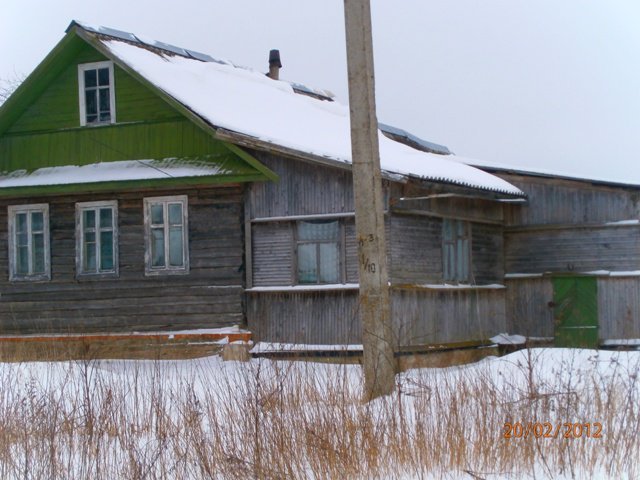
pixel 111 171
pixel 249 103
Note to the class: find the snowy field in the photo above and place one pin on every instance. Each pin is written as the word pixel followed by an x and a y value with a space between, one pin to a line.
pixel 567 413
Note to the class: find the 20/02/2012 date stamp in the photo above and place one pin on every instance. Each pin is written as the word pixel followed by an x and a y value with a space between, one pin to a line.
pixel 552 430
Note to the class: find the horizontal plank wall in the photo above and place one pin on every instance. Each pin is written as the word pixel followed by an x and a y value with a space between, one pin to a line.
pixel 578 248
pixel 273 253
pixel 415 244
pixel 553 201
pixel 209 296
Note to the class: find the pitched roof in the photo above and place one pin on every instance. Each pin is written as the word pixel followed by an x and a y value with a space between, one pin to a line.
pixel 246 107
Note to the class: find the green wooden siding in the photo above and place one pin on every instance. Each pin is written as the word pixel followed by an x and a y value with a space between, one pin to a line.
pixel 40 127
pixel 576 311
pixel 81 146
pixel 57 107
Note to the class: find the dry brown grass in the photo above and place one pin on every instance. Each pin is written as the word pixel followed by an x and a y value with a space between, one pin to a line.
pixel 274 420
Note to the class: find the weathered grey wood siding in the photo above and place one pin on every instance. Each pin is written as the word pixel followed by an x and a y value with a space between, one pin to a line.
pixel 559 201
pixel 487 253
pixel 619 307
pixel 420 316
pixel 303 189
pixel 273 251
pixel 415 244
pixel 578 249
pixel 318 317
pixel 530 313
pixel 528 310
pixel 428 316
pixel 209 296
pixel 351 251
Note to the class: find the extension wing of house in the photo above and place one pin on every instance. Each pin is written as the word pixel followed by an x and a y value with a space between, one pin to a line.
pixel 147 186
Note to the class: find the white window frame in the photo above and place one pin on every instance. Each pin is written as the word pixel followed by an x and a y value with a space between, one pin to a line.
pixel 80 233
pixel 12 211
pixel 81 92
pixel 340 240
pixel 148 238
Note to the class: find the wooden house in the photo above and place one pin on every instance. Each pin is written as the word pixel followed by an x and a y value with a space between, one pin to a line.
pixel 147 186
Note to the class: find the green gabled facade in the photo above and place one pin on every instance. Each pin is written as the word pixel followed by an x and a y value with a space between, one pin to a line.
pixel 82 248
pixel 40 125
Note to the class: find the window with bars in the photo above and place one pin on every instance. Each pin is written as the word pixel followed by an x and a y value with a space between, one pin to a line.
pixel 166 235
pixel 29 242
pixel 97 238
pixel 319 249
pixel 456 251
pixel 97 95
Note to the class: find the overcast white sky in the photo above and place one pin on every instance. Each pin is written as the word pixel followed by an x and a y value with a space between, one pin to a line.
pixel 540 84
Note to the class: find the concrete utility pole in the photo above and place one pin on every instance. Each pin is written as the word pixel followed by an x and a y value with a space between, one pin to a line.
pixel 377 335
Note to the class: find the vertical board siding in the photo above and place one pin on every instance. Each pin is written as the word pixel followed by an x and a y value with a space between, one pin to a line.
pixel 351 252
pixel 424 316
pixel 577 249
pixel 619 307
pixel 323 318
pixel 529 311
pixel 273 250
pixel 82 146
pixel 209 296
pixel 557 201
pixel 487 253
pixel 302 189
pixel 415 243
pixel 420 317
pixel 273 253
pixel 58 108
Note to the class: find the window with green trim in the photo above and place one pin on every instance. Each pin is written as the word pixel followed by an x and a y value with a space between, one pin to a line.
pixel 166 235
pixel 29 257
pixel 97 238
pixel 97 93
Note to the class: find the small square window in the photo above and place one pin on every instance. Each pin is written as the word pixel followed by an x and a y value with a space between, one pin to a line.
pixel 97 238
pixel 166 235
pixel 29 257
pixel 97 93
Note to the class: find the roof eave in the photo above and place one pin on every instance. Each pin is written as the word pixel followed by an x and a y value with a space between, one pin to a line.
pixel 249 141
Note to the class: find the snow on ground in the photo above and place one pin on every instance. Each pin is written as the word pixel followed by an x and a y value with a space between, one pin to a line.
pixel 525 383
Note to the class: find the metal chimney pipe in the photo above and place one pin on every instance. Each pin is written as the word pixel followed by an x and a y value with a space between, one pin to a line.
pixel 274 64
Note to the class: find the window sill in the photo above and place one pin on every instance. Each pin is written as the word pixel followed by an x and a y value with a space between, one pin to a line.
pixel 89 277
pixel 162 273
pixel 305 288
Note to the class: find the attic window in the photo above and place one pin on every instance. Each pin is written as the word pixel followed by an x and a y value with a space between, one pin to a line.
pixel 97 98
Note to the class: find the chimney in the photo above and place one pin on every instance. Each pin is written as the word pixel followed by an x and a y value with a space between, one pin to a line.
pixel 274 65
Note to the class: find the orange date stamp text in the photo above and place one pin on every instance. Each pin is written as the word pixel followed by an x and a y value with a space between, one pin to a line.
pixel 552 430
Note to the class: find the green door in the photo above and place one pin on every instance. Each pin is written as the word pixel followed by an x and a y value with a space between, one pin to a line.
pixel 575 311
